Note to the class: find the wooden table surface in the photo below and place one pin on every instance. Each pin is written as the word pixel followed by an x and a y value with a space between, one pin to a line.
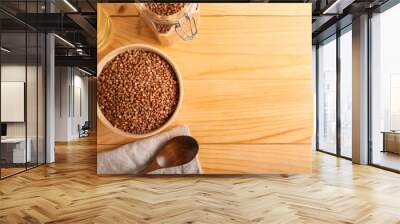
pixel 247 84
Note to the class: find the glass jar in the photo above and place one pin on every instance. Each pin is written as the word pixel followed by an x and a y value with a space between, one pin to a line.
pixel 103 27
pixel 169 29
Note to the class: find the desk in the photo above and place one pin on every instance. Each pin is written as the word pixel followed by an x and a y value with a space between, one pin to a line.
pixel 247 84
pixel 13 150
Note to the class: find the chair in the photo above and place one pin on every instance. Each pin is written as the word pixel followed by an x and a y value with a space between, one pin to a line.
pixel 84 130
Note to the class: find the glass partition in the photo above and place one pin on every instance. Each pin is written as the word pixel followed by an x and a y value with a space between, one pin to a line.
pixel 15 149
pixel 22 77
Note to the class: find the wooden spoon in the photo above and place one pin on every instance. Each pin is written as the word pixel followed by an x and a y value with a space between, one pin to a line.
pixel 176 152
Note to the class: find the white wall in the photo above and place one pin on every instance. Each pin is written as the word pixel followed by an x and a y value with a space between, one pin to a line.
pixel 69 82
pixel 12 73
pixel 81 82
pixel 62 80
pixel 12 101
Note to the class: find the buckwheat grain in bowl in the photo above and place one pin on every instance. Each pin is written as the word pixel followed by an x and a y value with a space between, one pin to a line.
pixel 139 90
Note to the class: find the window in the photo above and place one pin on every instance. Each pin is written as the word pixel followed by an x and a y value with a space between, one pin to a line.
pixel 394 102
pixel 346 92
pixel 327 95
pixel 334 138
pixel 385 89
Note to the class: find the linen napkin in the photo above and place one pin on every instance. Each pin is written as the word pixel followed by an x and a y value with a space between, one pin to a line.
pixel 133 157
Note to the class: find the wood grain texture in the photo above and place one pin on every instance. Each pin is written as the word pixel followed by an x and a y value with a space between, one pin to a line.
pixel 261 49
pixel 246 112
pixel 247 77
pixel 70 191
pixel 250 158
pixel 225 9
pixel 245 158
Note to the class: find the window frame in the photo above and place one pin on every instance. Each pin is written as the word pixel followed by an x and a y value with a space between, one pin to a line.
pixel 334 37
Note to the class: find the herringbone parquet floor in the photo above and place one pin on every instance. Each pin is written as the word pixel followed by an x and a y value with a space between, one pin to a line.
pixel 69 191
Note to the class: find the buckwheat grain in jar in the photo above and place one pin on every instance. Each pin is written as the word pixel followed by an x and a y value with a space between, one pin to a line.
pixel 171 22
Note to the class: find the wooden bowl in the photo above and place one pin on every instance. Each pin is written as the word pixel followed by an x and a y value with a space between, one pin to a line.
pixel 116 52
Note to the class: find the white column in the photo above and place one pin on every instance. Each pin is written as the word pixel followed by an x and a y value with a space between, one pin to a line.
pixel 360 90
pixel 50 99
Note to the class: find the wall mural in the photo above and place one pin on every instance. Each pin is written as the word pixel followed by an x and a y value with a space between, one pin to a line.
pixel 199 88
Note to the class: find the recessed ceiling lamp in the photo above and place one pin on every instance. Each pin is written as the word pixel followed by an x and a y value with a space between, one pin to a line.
pixel 64 40
pixel 70 5
pixel 5 50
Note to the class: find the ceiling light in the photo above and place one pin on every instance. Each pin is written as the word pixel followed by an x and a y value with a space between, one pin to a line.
pixel 5 50
pixel 70 5
pixel 65 41
pixel 84 71
pixel 80 51
pixel 337 7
